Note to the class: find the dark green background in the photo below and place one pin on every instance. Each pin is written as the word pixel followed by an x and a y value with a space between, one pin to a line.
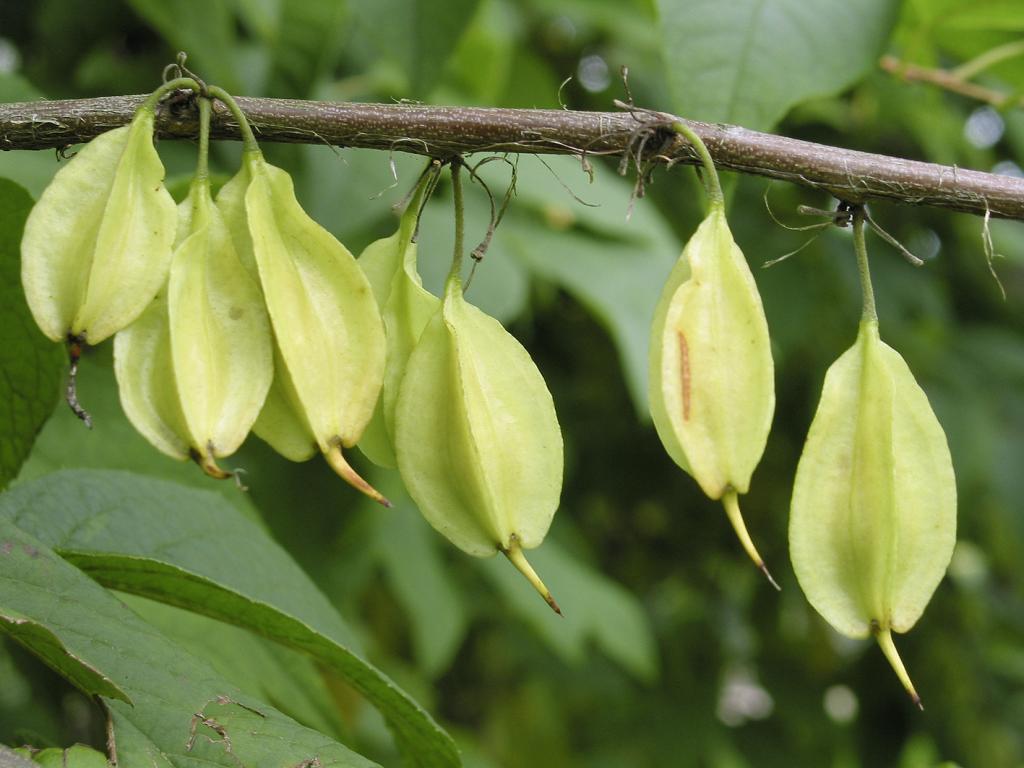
pixel 673 650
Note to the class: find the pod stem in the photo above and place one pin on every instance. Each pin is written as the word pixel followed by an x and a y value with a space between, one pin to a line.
pixel 203 162
pixel 514 553
pixel 248 137
pixel 208 464
pixel 860 248
pixel 884 637
pixel 417 199
pixel 711 183
pixel 731 502
pixel 177 84
pixel 345 472
pixel 454 274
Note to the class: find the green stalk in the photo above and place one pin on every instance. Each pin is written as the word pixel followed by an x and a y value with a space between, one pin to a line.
pixel 454 274
pixel 979 64
pixel 711 183
pixel 869 314
pixel 424 188
pixel 248 138
pixel 177 84
pixel 202 164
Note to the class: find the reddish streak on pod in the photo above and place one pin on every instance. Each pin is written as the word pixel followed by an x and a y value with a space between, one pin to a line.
pixel 684 369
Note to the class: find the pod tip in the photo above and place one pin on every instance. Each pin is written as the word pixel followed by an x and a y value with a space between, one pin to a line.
pixel 208 464
pixel 768 575
pixel 71 390
pixel 732 511
pixel 514 553
pixel 884 637
pixel 338 464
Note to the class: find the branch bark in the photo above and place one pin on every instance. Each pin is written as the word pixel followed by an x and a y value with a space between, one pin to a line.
pixel 857 177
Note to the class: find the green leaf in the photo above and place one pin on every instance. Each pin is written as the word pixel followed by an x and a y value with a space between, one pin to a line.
pixel 613 266
pixel 44 642
pixel 31 169
pixel 499 286
pixel 181 710
pixel 596 609
pixel 259 16
pixel 748 61
pixel 166 541
pixel 208 37
pixel 420 35
pixel 78 756
pixel 30 365
pixel 407 549
pixel 279 676
pixel 308 45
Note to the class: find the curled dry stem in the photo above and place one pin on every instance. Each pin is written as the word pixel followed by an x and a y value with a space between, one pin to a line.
pixel 989 250
pixel 71 389
pixel 497 212
pixel 845 214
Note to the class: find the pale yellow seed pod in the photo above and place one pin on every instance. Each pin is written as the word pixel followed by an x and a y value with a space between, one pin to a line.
pixel 97 245
pixel 145 380
pixel 327 327
pixel 873 519
pixel 711 376
pixel 406 308
pixel 199 397
pixel 477 438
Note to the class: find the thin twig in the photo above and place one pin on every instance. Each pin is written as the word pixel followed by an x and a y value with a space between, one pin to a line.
pixel 446 132
pixel 949 80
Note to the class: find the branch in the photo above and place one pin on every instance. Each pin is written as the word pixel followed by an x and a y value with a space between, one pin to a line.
pixel 950 80
pixel 857 177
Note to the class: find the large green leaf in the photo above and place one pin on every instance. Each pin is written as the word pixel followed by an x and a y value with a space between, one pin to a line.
pixel 208 36
pixel 614 266
pixel 407 549
pixel 748 61
pixel 30 365
pixel 31 169
pixel 308 45
pixel 285 679
pixel 418 35
pixel 499 286
pixel 181 711
pixel 192 549
pixel 597 610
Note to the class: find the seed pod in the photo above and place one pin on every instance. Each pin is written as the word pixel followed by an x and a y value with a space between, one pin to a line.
pixel 406 308
pixel 281 422
pixel 97 245
pixel 712 392
pixel 193 372
pixel 145 380
pixel 476 436
pixel 873 519
pixel 327 328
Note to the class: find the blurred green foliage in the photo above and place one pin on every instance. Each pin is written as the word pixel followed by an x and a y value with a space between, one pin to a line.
pixel 674 651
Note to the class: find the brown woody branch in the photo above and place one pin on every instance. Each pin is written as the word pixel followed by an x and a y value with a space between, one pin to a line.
pixel 447 131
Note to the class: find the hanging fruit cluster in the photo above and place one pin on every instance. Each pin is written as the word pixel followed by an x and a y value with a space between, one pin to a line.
pixel 873 518
pixel 241 314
